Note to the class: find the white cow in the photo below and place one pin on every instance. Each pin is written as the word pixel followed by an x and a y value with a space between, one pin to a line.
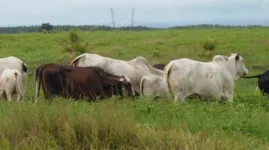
pixel 11 84
pixel 12 62
pixel 134 69
pixel 184 77
pixel 152 86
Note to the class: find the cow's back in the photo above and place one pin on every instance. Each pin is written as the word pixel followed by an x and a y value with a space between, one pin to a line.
pixel 11 62
pixel 142 64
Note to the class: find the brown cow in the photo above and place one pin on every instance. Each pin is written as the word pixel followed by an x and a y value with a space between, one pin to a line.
pixel 79 82
pixel 159 66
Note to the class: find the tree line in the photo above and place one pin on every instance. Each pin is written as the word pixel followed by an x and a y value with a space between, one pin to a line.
pixel 47 27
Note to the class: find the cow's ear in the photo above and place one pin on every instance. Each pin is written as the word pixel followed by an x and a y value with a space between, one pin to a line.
pixel 237 57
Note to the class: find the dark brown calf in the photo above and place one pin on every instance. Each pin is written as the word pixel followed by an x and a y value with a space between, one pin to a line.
pixel 79 82
pixel 159 66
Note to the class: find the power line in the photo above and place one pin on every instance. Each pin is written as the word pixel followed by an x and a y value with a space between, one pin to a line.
pixel 112 18
pixel 132 21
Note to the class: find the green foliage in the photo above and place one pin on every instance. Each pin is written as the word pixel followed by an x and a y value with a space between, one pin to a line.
pixel 156 54
pixel 73 36
pixel 46 26
pixel 44 31
pixel 139 123
pixel 74 45
pixel 209 45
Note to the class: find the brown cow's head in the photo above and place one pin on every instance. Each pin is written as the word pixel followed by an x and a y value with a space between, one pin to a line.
pixel 127 85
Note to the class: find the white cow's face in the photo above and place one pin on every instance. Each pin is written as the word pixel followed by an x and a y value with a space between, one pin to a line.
pixel 240 66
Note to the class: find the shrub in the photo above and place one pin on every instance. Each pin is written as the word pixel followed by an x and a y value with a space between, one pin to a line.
pixel 156 54
pixel 74 45
pixel 209 45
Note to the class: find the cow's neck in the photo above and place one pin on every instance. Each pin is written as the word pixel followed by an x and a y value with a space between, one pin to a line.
pixel 232 70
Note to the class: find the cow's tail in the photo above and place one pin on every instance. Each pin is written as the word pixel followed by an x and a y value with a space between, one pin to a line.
pixel 256 89
pixel 75 60
pixel 24 75
pixel 18 83
pixel 142 86
pixel 37 82
pixel 256 76
pixel 167 71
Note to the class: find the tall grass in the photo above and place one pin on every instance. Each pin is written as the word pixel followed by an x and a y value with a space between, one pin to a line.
pixel 103 125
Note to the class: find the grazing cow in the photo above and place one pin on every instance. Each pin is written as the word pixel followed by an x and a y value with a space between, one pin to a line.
pixel 78 82
pixel 11 84
pixel 12 62
pixel 134 69
pixel 159 66
pixel 152 86
pixel 263 82
pixel 185 77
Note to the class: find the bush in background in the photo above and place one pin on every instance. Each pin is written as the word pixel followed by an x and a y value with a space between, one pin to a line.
pixel 73 46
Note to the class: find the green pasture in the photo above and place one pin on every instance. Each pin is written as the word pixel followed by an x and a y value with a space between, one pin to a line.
pixel 140 123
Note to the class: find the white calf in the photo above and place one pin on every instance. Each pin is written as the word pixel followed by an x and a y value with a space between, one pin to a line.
pixel 152 86
pixel 11 84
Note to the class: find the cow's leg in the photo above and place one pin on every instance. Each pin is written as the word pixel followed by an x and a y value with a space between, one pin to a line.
pixel 24 83
pixel 230 96
pixel 46 95
pixel 104 93
pixel 91 95
pixel 179 96
pixel 18 97
pixel 177 91
pixel 136 93
pixel 156 97
pixel 9 96
pixel 1 94
pixel 227 93
pixel 22 96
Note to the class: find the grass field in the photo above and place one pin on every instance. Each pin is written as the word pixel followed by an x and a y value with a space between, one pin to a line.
pixel 140 123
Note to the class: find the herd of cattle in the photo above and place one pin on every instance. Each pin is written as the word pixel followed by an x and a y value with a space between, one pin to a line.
pixel 91 76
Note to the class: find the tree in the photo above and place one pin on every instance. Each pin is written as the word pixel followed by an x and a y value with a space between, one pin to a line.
pixel 46 26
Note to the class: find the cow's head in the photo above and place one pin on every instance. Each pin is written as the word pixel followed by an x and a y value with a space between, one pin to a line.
pixel 126 82
pixel 236 64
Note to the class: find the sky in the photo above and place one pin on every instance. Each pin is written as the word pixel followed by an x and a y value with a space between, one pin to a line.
pixel 146 12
